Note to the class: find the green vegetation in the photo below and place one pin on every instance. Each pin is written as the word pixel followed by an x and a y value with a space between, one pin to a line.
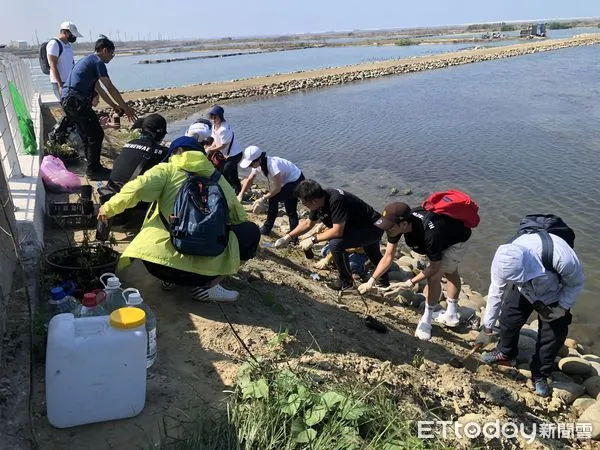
pixel 559 25
pixel 405 41
pixel 278 408
pixel 507 27
pixel 482 26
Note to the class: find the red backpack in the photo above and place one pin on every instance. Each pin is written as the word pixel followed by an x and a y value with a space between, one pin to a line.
pixel 455 204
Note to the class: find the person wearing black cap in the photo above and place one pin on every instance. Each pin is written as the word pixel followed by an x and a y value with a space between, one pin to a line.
pixel 225 142
pixel 442 239
pixel 350 223
pixel 137 156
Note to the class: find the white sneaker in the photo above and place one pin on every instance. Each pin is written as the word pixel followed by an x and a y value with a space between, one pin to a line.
pixel 449 320
pixel 423 331
pixel 217 293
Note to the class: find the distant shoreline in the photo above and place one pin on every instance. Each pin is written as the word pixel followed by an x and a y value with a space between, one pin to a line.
pixel 178 102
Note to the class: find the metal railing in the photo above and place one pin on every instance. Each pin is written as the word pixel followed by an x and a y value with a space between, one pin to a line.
pixel 17 71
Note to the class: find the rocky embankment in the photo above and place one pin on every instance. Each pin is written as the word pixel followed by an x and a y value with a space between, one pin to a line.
pixel 314 79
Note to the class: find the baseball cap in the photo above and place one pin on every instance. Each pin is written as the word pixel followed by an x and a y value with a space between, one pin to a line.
pixel 216 111
pixel 250 154
pixel 153 122
pixel 515 263
pixel 198 131
pixel 185 142
pixel 392 214
pixel 71 27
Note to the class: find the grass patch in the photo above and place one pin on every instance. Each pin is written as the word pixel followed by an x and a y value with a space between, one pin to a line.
pixel 405 41
pixel 274 407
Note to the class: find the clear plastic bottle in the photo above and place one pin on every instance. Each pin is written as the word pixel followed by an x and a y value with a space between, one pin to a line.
pixel 133 299
pixel 59 302
pixel 91 305
pixel 114 293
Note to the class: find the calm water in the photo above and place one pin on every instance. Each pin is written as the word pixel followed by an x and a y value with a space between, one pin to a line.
pixel 520 135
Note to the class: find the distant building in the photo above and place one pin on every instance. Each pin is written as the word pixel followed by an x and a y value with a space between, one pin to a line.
pixel 19 45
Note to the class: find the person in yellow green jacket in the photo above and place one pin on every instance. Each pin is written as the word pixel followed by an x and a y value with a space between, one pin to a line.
pixel 153 245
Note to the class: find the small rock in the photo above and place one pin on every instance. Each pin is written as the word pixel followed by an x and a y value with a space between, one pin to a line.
pixel 583 403
pixel 592 386
pixel 405 261
pixel 571 343
pixel 525 372
pixel 477 299
pixel 592 415
pixel 574 366
pixel 526 348
pixel 394 191
pixel 407 191
pixel 560 377
pixel 567 392
pixel 526 331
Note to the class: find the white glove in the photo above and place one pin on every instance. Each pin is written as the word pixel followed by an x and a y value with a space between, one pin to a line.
pixel 556 312
pixel 322 263
pixel 282 242
pixel 240 197
pixel 306 244
pixel 259 206
pixel 406 285
pixel 483 338
pixel 394 291
pixel 366 287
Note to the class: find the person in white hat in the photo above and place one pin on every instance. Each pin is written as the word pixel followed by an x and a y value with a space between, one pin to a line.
pixel 520 285
pixel 282 175
pixel 202 132
pixel 60 55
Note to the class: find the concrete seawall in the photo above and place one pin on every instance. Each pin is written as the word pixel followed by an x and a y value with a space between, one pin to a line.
pixel 173 98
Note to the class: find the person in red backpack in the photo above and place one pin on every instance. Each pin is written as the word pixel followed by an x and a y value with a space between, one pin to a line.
pixel 443 240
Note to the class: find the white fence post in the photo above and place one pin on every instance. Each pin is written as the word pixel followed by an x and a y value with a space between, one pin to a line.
pixel 8 149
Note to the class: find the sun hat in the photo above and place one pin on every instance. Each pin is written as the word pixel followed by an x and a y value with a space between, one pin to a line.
pixel 71 27
pixel 250 154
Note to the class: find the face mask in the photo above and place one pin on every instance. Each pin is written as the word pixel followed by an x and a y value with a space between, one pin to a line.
pixel 71 38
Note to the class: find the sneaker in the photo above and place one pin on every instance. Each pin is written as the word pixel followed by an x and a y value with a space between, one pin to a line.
pixel 166 286
pixel 217 293
pixel 98 174
pixel 423 331
pixel 265 231
pixel 541 387
pixel 339 285
pixel 449 320
pixel 496 357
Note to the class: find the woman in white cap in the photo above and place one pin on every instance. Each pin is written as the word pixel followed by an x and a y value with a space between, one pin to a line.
pixel 226 143
pixel 283 177
pixel 201 130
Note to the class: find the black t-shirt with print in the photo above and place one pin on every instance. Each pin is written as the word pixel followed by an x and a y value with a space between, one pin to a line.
pixel 343 207
pixel 432 234
pixel 138 151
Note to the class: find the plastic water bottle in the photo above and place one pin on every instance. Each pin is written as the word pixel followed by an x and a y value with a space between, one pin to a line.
pixel 133 299
pixel 114 293
pixel 91 305
pixel 59 302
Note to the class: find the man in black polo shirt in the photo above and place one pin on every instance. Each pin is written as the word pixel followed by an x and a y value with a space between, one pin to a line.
pixel 136 157
pixel 350 222
pixel 442 239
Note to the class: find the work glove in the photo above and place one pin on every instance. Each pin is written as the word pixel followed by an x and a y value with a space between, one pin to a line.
pixel 552 313
pixel 282 242
pixel 397 288
pixel 240 197
pixel 322 263
pixel 306 244
pixel 368 286
pixel 483 338
pixel 260 205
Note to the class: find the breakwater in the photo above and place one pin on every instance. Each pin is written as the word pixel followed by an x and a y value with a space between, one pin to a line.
pixel 264 86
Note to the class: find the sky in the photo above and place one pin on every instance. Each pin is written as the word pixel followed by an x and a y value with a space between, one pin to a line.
pixel 128 19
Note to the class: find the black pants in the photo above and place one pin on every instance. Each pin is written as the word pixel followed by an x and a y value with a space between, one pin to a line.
pixel 551 335
pixel 230 172
pixel 79 111
pixel 248 236
pixel 367 238
pixel 287 195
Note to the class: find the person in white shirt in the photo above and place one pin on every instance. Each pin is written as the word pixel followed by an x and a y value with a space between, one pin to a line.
pixel 225 142
pixel 60 55
pixel 283 177
pixel 520 284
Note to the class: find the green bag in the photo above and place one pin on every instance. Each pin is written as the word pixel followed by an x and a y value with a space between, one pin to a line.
pixel 25 122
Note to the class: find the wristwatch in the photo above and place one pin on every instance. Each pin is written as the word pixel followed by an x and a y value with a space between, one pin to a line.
pixel 314 239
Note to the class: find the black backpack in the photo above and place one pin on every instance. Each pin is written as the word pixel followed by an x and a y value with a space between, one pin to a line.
pixel 542 224
pixel 44 64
